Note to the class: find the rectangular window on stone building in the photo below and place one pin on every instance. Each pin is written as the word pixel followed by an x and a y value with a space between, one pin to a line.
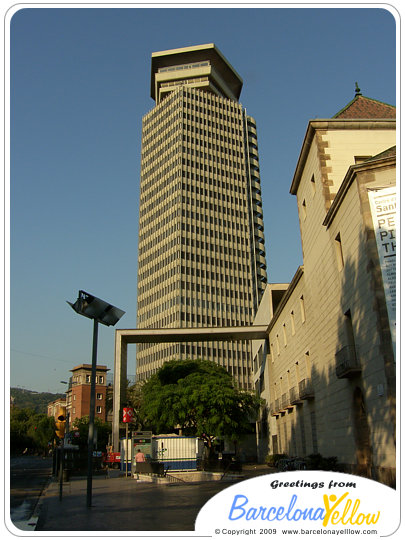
pixel 314 433
pixel 339 252
pixel 304 209
pixel 302 308
pixel 348 329
pixel 313 186
pixel 308 367
pixel 292 323
pixel 302 431
pixel 272 351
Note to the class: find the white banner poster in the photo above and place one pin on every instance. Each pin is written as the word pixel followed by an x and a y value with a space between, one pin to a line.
pixel 384 214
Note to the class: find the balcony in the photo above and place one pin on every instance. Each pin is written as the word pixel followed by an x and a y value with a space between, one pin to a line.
pixel 274 410
pixel 285 402
pixel 258 220
pixel 347 364
pixel 305 389
pixel 294 396
pixel 261 273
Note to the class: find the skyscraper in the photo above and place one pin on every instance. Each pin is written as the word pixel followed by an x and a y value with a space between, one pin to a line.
pixel 201 259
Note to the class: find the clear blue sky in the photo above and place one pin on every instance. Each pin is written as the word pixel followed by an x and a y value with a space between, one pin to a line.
pixel 80 81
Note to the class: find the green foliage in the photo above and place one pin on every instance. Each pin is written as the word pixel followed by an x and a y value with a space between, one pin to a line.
pixel 132 398
pixel 272 459
pixel 200 397
pixel 42 430
pixel 82 426
pixel 31 430
pixel 36 401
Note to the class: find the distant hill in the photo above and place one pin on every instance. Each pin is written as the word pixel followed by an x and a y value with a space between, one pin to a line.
pixel 37 401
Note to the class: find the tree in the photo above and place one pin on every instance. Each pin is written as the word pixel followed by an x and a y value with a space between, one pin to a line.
pixel 82 426
pixel 19 419
pixel 132 398
pixel 42 430
pixel 200 397
pixel 30 430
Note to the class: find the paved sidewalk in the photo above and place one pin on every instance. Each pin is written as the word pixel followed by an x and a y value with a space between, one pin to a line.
pixel 123 504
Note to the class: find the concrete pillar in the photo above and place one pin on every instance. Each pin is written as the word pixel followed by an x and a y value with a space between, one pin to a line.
pixel 120 378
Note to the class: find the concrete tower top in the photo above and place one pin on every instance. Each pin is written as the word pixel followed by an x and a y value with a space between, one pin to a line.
pixel 200 66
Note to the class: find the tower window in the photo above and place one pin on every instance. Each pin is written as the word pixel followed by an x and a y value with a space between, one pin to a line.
pixel 339 252
pixel 302 307
pixel 304 209
pixel 292 322
pixel 313 186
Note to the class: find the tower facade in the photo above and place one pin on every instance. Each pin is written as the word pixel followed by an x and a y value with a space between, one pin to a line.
pixel 78 393
pixel 201 259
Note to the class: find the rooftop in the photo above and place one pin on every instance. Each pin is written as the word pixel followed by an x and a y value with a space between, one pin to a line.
pixel 364 107
pixel 197 53
pixel 88 366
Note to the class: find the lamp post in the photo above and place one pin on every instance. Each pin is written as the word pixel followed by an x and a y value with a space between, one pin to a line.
pixel 101 312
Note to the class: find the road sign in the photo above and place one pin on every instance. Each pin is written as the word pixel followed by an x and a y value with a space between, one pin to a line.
pixel 127 414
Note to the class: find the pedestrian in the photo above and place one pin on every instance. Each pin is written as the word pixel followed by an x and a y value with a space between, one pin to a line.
pixel 140 456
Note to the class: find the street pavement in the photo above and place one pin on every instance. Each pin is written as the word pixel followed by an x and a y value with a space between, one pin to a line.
pixel 123 504
pixel 29 476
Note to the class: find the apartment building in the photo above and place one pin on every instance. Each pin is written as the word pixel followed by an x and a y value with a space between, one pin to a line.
pixel 78 393
pixel 54 407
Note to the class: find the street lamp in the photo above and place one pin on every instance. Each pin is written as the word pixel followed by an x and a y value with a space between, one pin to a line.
pixel 101 312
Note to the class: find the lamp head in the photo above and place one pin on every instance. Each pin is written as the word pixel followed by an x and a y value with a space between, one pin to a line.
pixel 94 308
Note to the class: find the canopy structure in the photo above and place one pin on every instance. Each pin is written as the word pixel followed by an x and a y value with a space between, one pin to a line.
pixel 167 335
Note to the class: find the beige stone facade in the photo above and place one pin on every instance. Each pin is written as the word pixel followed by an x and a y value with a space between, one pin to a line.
pixel 54 406
pixel 201 260
pixel 327 370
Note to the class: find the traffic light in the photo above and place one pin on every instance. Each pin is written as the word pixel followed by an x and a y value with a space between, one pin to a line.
pixel 61 422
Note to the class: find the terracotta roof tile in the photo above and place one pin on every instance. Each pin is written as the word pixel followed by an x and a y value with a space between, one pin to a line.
pixel 364 107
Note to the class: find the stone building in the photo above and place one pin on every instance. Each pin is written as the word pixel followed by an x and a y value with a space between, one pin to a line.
pixel 54 406
pixel 327 369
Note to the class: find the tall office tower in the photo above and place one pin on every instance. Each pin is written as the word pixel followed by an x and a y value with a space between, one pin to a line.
pixel 201 258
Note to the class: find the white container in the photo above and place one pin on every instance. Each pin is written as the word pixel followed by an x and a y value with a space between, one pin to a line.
pixel 178 453
pixel 123 454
